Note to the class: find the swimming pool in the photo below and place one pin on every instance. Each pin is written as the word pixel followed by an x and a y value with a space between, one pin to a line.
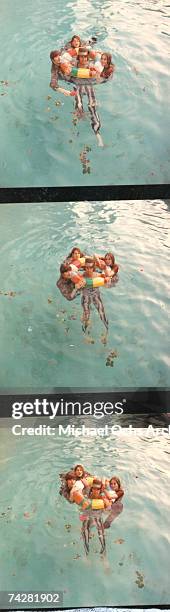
pixel 42 342
pixel 41 546
pixel 40 145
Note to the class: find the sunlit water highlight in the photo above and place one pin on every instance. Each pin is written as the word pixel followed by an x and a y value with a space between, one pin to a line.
pixel 39 143
pixel 42 343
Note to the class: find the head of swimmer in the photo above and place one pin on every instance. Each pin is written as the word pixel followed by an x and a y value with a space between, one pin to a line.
pixel 75 41
pixel 70 479
pixel 83 56
pixel 96 489
pixel 65 270
pixel 55 57
pixel 115 483
pixel 109 259
pixel 106 59
pixel 75 254
pixel 89 268
pixel 79 471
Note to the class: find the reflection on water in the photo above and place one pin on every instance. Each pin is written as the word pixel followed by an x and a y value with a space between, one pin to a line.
pixel 41 335
pixel 40 145
pixel 39 529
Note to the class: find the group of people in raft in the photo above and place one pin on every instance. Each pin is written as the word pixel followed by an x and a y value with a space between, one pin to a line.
pixel 85 274
pixel 93 496
pixel 77 62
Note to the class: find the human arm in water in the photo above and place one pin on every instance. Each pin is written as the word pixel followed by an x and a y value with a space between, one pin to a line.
pixel 54 76
pixel 54 82
pixel 55 67
pixel 114 495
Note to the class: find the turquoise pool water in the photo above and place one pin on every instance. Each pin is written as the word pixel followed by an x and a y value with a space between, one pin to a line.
pixel 41 548
pixel 39 143
pixel 42 343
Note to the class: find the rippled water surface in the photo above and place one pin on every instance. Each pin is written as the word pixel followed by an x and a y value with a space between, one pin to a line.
pixel 41 548
pixel 39 143
pixel 42 343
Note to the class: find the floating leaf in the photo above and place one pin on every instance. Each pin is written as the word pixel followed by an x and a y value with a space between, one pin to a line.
pixel 119 541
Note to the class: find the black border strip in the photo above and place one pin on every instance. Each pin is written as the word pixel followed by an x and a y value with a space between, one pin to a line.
pixel 66 194
pixel 152 402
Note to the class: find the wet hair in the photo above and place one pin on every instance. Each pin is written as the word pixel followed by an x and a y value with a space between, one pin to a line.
pixel 111 257
pixel 83 51
pixel 109 58
pixel 54 54
pixel 107 70
pixel 75 36
pixel 73 250
pixel 97 484
pixel 79 466
pixel 90 261
pixel 70 476
pixel 65 267
pixel 116 479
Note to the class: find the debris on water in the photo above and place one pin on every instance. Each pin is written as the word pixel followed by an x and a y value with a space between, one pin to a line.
pixel 68 527
pixel 27 515
pixel 29 329
pixel 4 93
pixel 47 110
pixel 48 97
pixel 77 557
pixel 6 83
pixel 140 580
pixel 89 340
pixel 9 293
pixel 52 362
pixel 104 339
pixel 58 103
pixel 50 300
pixel 110 358
pixel 73 317
pixel 84 160
pixel 6 514
pixel 119 541
pixel 75 119
pixel 55 118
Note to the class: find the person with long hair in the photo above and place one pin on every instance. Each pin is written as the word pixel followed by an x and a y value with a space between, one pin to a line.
pixel 104 66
